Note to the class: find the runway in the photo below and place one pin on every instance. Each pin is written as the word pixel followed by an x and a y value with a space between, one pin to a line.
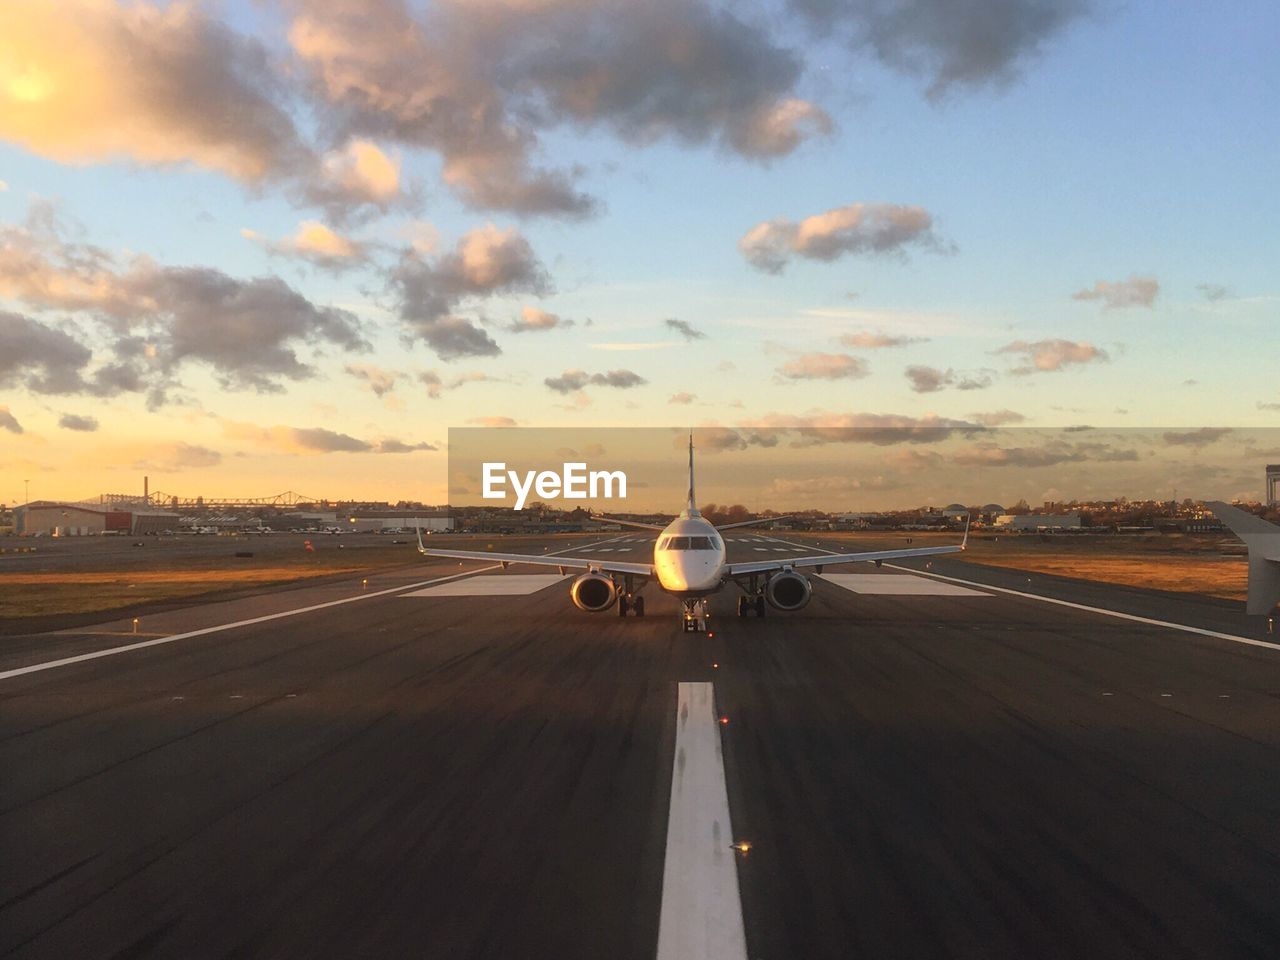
pixel 921 768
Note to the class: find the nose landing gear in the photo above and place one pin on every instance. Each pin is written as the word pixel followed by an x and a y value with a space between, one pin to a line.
pixel 694 611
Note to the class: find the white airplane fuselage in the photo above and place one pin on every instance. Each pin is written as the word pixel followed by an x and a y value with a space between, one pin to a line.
pixel 689 557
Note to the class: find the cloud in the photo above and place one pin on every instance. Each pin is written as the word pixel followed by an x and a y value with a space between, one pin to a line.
pixel 951 43
pixel 484 263
pixel 997 418
pixel 682 398
pixel 823 366
pixel 1119 294
pixel 176 457
pixel 380 381
pixel 685 329
pixel 1050 355
pixel 989 454
pixel 931 379
pixel 860 228
pixel 494 421
pixel 151 319
pixel 877 341
pixel 1195 438
pixel 478 82
pixel 9 422
pixel 315 440
pixel 72 421
pixel 159 85
pixel 533 320
pixel 881 429
pixel 437 385
pixel 40 358
pixel 390 445
pixel 359 174
pixel 315 243
pixel 1213 292
pixel 572 381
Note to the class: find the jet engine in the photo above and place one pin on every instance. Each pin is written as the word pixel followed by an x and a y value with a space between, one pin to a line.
pixel 788 590
pixel 593 592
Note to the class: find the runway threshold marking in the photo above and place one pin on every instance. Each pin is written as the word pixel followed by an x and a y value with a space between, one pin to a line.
pixel 1131 617
pixel 219 628
pixel 701 906
pixel 505 585
pixel 891 584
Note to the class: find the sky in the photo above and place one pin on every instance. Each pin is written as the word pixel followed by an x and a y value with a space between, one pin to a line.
pixel 250 247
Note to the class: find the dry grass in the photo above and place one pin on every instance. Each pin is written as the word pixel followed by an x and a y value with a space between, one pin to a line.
pixel 1178 563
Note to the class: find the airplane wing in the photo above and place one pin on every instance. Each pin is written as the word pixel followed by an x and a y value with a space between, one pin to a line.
pixel 748 523
pixel 831 559
pixel 630 523
pixel 1263 542
pixel 563 563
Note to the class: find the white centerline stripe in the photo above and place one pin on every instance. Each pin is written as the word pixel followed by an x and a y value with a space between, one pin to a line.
pixel 701 907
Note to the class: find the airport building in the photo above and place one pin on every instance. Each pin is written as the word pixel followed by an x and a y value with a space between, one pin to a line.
pixel 1037 522
pixel 1273 485
pixel 48 518
pixel 428 521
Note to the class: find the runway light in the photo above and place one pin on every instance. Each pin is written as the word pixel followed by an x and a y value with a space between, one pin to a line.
pixel 364 582
pixel 135 624
pixel 715 666
pixel 710 634
pixel 743 847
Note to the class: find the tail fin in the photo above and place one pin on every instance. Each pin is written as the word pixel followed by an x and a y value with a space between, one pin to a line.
pixel 1263 540
pixel 418 529
pixel 692 508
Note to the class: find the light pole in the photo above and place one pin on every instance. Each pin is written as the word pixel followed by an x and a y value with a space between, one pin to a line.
pixel 26 492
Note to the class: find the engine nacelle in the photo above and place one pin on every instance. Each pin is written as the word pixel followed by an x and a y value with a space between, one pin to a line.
pixel 593 592
pixel 788 590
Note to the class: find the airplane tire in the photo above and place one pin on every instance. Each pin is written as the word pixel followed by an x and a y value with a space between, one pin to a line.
pixel 760 606
pixel 623 604
pixel 743 603
pixel 638 603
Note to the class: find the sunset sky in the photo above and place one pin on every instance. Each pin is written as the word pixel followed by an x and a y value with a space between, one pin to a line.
pixel 255 246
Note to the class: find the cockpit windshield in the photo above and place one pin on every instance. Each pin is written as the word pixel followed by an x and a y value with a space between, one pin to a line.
pixel 689 543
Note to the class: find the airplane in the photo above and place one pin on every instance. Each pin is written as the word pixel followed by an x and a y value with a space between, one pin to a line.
pixel 689 563
pixel 1263 541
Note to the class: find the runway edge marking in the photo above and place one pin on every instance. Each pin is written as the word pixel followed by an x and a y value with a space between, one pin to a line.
pixel 701 913
pixel 1132 617
pixel 218 628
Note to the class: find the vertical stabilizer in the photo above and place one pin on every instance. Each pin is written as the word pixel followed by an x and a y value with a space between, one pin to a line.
pixel 692 508
pixel 1263 541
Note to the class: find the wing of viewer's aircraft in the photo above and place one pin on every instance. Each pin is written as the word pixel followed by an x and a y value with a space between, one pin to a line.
pixel 1263 541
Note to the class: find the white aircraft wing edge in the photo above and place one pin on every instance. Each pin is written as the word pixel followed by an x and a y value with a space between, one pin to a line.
pixel 831 559
pixel 566 563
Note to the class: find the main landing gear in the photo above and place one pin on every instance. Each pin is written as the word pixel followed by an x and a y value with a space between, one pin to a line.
pixel 633 603
pixel 694 611
pixel 747 604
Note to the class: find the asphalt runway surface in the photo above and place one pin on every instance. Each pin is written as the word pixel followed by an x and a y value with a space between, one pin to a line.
pixel 969 773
